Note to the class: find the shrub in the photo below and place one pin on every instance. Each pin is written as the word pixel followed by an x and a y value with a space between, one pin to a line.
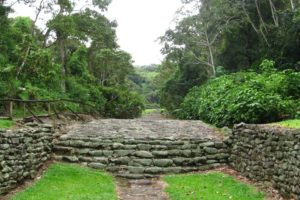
pixel 244 97
pixel 122 104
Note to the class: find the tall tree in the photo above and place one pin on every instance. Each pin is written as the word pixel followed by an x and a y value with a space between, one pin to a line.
pixel 112 67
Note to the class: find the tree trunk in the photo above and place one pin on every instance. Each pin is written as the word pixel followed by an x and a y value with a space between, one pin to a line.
pixel 292 4
pixel 274 13
pixel 61 43
pixel 63 64
pixel 24 61
pixel 258 31
pixel 263 24
pixel 211 56
pixel 39 10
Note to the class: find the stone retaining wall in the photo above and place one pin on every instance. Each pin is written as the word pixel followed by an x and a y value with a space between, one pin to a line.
pixel 259 152
pixel 266 153
pixel 22 152
pixel 139 158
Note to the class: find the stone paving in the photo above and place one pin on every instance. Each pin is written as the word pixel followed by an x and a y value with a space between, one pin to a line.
pixel 145 189
pixel 144 128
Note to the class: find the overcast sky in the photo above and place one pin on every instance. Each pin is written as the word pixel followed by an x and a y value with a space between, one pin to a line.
pixel 140 23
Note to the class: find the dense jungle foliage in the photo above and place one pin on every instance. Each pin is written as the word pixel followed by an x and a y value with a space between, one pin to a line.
pixel 218 47
pixel 75 56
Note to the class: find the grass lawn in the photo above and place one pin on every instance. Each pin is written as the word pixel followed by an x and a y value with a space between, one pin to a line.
pixel 6 123
pixel 211 186
pixel 70 182
pixel 294 123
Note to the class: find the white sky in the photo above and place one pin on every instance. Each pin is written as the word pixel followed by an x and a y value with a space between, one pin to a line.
pixel 140 23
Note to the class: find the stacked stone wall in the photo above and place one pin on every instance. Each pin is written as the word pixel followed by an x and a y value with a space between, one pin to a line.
pixel 22 153
pixel 267 153
pixel 259 152
pixel 138 158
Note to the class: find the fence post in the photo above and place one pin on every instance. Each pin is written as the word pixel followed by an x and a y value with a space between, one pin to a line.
pixel 49 109
pixel 24 110
pixel 11 107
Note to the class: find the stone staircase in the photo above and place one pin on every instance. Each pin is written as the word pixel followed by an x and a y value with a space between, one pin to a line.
pixel 141 157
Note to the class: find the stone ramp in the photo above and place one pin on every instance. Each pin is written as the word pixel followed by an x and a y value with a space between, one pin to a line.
pixel 143 148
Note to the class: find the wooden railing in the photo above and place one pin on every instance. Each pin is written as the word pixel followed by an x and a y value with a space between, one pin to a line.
pixel 50 106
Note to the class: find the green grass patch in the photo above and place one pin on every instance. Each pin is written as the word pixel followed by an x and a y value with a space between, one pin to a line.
pixel 70 182
pixel 6 123
pixel 149 111
pixel 294 123
pixel 211 186
pixel 19 112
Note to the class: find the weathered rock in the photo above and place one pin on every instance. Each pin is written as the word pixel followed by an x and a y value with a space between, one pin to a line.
pixel 136 170
pixel 121 160
pixel 154 170
pixel 146 147
pixel 172 170
pixel 96 153
pixel 143 162
pixel 121 153
pixel 160 153
pixel 117 145
pixel 107 153
pixel 174 152
pixel 207 144
pixel 102 160
pixel 143 154
pixel 70 158
pixel 186 153
pixel 162 162
pixel 97 165
pixel 182 161
pixel 210 150
pixel 4 146
pixel 199 160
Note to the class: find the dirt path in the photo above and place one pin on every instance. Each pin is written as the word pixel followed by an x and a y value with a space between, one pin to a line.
pixel 144 189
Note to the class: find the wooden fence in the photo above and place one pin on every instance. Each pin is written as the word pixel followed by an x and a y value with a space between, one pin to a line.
pixel 50 105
